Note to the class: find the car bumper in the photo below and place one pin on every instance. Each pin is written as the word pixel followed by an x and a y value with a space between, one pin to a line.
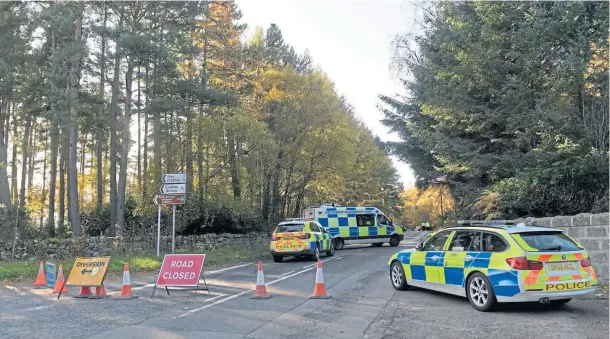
pixel 534 296
pixel 293 253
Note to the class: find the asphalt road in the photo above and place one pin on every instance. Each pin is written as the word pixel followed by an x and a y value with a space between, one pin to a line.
pixel 363 305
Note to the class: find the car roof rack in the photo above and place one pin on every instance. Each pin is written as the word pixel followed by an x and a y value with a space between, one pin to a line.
pixel 487 223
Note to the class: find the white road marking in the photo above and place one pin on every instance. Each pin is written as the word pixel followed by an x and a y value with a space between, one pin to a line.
pixel 287 273
pixel 231 297
pixel 38 308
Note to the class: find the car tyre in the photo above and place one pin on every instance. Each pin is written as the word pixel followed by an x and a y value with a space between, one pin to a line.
pixel 339 243
pixel 480 292
pixel 397 276
pixel 316 253
pixel 394 241
pixel 331 250
pixel 278 258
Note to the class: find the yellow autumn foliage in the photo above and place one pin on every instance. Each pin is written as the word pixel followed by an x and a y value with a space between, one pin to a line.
pixel 425 205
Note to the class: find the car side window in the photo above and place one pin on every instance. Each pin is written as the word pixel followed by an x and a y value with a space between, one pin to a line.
pixel 365 220
pixel 493 243
pixel 437 242
pixel 463 240
pixel 383 220
pixel 313 227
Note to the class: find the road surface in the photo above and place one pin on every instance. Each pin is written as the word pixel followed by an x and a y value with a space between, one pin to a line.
pixel 363 305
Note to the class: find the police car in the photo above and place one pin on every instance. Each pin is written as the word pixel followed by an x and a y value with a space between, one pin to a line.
pixel 300 238
pixel 491 262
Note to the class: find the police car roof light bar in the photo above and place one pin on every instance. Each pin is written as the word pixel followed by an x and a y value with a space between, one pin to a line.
pixel 489 223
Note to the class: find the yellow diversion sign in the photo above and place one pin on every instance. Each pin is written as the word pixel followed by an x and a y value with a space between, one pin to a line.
pixel 88 271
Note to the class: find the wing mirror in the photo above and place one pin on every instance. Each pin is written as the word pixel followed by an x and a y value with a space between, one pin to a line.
pixel 420 246
pixel 391 222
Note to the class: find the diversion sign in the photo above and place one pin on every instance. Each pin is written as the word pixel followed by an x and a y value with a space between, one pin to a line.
pixel 88 271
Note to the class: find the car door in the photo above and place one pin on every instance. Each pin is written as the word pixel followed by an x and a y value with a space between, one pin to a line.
pixel 425 263
pixel 323 236
pixel 459 253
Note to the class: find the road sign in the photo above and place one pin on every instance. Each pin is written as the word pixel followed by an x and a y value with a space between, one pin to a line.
pixel 88 271
pixel 51 273
pixel 173 189
pixel 170 199
pixel 174 178
pixel 181 270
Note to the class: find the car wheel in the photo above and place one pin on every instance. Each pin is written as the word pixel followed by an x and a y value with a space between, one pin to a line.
pixel 331 250
pixel 554 304
pixel 378 244
pixel 480 293
pixel 316 253
pixel 397 276
pixel 394 241
pixel 339 243
pixel 278 258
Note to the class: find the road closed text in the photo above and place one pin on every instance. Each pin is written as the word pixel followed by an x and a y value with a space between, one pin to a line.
pixel 181 269
pixel 568 286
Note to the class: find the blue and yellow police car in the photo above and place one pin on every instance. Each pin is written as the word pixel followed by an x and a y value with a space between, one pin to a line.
pixel 495 262
pixel 300 238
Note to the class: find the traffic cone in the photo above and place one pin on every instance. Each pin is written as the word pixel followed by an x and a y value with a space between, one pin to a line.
pixel 126 288
pixel 41 279
pixel 60 281
pixel 85 292
pixel 261 290
pixel 100 292
pixel 319 291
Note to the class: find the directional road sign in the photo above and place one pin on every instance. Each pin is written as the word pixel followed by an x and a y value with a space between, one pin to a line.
pixel 88 271
pixel 174 178
pixel 170 199
pixel 173 189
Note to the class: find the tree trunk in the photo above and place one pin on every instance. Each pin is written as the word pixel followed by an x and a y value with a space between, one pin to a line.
pixel 235 182
pixel 114 108
pixel 156 136
pixel 24 167
pixel 62 184
pixel 145 160
pixel 73 125
pixel 100 118
pixel 43 196
pixel 32 154
pixel 124 151
pixel 5 193
pixel 52 179
pixel 201 114
pixel 139 132
pixel 14 167
pixel 189 151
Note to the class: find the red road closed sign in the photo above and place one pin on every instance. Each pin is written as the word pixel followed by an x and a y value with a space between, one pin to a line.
pixel 181 270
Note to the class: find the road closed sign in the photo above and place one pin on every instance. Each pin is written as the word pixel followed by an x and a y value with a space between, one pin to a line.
pixel 181 270
pixel 88 271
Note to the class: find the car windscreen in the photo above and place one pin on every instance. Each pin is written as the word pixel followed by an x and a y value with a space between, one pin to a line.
pixel 289 228
pixel 549 241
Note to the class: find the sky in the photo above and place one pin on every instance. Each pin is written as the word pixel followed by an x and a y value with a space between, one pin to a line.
pixel 350 41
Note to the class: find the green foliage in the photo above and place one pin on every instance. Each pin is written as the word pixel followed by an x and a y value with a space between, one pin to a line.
pixel 509 103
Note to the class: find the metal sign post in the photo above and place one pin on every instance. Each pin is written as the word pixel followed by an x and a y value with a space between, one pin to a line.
pixel 173 227
pixel 173 192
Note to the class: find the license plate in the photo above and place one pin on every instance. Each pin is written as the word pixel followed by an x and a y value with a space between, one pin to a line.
pixel 563 266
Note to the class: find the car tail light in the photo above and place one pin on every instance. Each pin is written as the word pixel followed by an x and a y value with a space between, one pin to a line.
pixel 275 238
pixel 304 236
pixel 586 262
pixel 521 263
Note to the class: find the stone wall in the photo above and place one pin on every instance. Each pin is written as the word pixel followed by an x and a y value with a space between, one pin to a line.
pixel 101 246
pixel 591 230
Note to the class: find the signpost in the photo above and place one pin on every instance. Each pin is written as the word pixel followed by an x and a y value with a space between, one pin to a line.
pixel 87 272
pixel 173 192
pixel 181 270
pixel 51 273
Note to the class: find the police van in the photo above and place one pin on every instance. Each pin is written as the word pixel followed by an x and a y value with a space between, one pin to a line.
pixel 355 225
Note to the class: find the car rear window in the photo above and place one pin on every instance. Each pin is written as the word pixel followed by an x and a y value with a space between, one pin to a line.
pixel 289 228
pixel 549 241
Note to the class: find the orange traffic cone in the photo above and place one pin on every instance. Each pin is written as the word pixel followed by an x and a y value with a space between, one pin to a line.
pixel 60 281
pixel 126 288
pixel 85 292
pixel 261 290
pixel 100 292
pixel 41 279
pixel 319 291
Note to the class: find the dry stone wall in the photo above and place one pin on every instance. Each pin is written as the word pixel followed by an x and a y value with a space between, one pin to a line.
pixel 101 246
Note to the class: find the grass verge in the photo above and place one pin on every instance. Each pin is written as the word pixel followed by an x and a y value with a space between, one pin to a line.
pixel 24 271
